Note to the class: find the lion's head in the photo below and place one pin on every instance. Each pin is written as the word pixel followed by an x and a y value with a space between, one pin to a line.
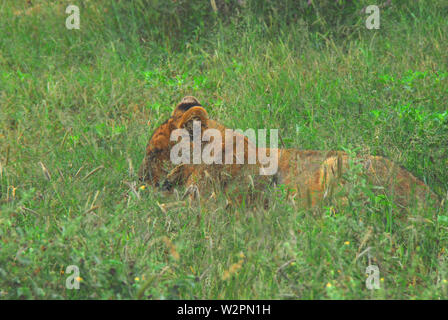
pixel 156 163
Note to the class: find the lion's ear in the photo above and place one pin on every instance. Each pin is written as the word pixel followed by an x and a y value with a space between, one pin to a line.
pixel 190 116
pixel 185 104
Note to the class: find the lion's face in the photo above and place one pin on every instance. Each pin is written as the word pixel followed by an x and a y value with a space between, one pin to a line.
pixel 156 163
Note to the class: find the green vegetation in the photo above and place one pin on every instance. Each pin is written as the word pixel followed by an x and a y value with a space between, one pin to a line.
pixel 77 108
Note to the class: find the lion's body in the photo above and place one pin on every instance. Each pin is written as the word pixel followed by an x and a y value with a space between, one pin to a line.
pixel 309 175
pixel 317 174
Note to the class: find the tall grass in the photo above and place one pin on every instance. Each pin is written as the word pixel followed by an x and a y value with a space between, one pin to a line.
pixel 78 106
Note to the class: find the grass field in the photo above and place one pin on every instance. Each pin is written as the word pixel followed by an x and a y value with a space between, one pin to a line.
pixel 77 108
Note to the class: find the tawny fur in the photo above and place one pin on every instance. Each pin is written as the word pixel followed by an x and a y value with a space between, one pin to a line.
pixel 309 175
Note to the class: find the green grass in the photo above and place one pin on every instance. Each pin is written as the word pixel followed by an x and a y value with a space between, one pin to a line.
pixel 82 99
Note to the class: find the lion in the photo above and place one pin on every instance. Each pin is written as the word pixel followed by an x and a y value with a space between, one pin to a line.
pixel 311 176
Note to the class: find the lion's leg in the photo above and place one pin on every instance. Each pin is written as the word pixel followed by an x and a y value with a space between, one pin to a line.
pixel 327 179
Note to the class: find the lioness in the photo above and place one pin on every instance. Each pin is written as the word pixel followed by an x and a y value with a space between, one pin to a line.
pixel 309 175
